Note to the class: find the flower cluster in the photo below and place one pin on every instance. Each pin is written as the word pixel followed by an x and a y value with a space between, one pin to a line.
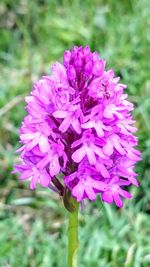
pixel 79 123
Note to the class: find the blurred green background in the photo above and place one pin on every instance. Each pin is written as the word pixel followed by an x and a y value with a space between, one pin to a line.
pixel 33 225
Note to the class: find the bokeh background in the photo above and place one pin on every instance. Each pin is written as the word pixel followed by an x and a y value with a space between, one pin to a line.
pixel 33 225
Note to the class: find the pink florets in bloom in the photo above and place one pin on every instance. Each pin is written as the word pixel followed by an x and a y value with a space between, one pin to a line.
pixel 79 124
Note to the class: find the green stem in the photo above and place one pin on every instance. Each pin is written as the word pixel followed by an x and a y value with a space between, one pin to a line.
pixel 73 235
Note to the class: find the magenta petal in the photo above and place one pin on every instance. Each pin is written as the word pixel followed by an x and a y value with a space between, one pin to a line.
pixel 133 180
pixel 117 200
pixel 20 149
pixel 103 170
pixel 20 168
pixel 108 148
pixel 99 130
pixel 54 166
pixel 98 151
pixel 124 193
pixel 26 175
pixel 90 192
pixel 32 144
pixel 45 179
pixel 76 143
pixel 107 197
pixel 34 182
pixel 65 124
pixel 87 125
pixel 131 128
pixel 43 162
pixel 76 126
pixel 60 114
pixel 78 191
pixel 27 136
pixel 79 154
pixel 99 185
pixel 108 112
pixel 44 144
pixel 70 177
pixel 119 148
pixel 91 155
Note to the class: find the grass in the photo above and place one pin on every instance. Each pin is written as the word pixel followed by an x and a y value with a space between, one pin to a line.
pixel 33 224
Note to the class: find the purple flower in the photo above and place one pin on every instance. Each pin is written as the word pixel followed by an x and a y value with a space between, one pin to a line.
pixel 35 175
pixel 78 133
pixel 88 148
pixel 114 191
pixel 85 182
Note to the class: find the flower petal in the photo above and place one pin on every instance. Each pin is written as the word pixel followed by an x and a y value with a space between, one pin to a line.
pixel 90 192
pixel 99 185
pixel 107 197
pixel 99 130
pixel 124 193
pixel 79 154
pixel 108 111
pixel 108 148
pixel 34 182
pixel 54 166
pixel 65 124
pixel 91 155
pixel 45 179
pixel 76 126
pixel 61 114
pixel 117 199
pixel 26 175
pixel 44 144
pixel 103 170
pixel 78 191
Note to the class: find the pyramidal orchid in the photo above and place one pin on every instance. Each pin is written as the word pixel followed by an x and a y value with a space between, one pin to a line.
pixel 79 124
